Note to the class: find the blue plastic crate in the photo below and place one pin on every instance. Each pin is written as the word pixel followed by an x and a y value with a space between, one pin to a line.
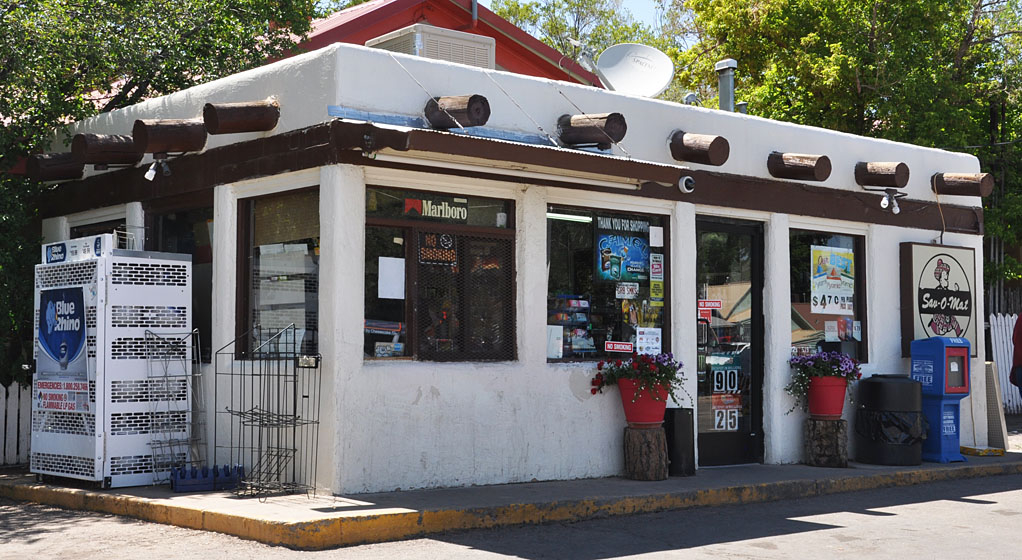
pixel 204 479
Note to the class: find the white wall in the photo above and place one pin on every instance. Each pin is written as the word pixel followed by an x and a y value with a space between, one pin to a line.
pixel 388 83
pixel 650 122
pixel 420 424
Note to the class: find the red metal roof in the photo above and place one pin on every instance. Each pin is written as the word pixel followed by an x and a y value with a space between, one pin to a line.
pixel 516 50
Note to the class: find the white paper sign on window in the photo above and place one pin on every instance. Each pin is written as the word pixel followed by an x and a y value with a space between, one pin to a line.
pixel 648 340
pixel 392 278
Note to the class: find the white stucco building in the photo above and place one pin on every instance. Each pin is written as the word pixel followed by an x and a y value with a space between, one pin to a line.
pixel 474 391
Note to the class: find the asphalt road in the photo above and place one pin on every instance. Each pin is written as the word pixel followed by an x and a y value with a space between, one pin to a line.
pixel 964 519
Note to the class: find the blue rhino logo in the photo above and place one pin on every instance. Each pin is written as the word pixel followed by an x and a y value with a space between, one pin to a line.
pixel 51 317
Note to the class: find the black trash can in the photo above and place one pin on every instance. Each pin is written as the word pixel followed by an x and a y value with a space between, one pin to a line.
pixel 889 422
pixel 679 425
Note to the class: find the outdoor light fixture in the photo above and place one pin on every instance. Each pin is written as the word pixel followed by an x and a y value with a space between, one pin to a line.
pixel 159 161
pixel 889 200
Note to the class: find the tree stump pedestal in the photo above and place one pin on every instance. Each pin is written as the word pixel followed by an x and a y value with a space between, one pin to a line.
pixel 826 443
pixel 646 453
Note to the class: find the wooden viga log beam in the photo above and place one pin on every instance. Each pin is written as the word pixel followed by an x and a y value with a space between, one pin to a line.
pixel 232 118
pixel 881 174
pixel 54 167
pixel 706 149
pixel 169 135
pixel 800 167
pixel 602 129
pixel 103 149
pixel 455 110
pixel 963 184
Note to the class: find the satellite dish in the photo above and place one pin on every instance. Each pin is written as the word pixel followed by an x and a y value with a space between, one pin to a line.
pixel 635 69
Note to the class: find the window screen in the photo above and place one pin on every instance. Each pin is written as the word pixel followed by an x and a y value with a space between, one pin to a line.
pixel 284 266
pixel 439 277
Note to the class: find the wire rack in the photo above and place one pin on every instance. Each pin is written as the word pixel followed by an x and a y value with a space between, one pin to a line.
pixel 176 415
pixel 267 397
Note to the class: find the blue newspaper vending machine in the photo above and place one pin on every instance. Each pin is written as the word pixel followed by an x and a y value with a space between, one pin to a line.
pixel 941 364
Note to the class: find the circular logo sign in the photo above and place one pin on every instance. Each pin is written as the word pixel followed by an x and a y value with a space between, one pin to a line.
pixel 944 298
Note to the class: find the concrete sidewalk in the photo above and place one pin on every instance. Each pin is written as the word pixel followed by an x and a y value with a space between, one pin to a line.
pixel 328 521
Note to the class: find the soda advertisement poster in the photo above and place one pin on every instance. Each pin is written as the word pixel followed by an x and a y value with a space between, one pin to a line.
pixel 62 332
pixel 622 249
pixel 832 281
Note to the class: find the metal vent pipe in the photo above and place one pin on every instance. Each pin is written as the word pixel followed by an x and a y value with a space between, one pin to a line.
pixel 726 83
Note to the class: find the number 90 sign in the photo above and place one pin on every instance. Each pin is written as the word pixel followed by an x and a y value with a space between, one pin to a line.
pixel 725 381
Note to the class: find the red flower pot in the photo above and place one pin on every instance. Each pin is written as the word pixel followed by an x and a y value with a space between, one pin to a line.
pixel 645 412
pixel 827 397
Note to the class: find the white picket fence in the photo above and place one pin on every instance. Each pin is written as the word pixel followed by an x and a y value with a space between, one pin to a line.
pixel 15 424
pixel 1001 327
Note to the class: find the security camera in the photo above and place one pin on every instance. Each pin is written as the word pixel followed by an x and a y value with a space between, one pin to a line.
pixel 686 184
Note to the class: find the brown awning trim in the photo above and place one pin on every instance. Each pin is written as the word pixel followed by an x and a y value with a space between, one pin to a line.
pixel 350 142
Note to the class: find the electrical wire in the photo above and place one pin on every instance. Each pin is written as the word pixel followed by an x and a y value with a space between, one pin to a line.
pixel 431 96
pixel 943 224
pixel 524 112
pixel 604 132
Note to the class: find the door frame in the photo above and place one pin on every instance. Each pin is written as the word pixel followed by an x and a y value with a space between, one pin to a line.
pixel 727 448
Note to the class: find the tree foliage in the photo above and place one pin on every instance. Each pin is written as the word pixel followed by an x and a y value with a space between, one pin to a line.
pixel 940 73
pixel 65 60
pixel 596 23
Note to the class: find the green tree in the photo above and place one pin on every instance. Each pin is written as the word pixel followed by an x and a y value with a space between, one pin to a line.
pixel 595 23
pixel 326 7
pixel 941 73
pixel 919 71
pixel 65 60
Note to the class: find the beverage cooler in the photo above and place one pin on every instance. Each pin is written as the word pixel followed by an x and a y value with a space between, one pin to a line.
pixel 111 393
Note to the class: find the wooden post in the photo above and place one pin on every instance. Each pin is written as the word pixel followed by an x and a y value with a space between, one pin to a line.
pixel 699 148
pixel 645 454
pixel 54 167
pixel 963 184
pixel 169 135
pixel 826 443
pixel 801 167
pixel 249 116
pixel 468 110
pixel 104 149
pixel 882 174
pixel 601 129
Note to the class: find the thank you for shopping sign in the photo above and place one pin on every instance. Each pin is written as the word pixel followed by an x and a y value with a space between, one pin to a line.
pixel 62 331
pixel 938 293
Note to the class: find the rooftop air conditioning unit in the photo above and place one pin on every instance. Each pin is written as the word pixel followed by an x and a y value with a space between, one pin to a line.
pixel 442 44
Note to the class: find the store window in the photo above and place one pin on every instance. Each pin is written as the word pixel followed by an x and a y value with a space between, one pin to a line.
pixel 828 309
pixel 439 277
pixel 190 232
pixel 606 284
pixel 279 267
pixel 98 228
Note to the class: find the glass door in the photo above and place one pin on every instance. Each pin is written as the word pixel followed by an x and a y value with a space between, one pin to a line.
pixel 729 290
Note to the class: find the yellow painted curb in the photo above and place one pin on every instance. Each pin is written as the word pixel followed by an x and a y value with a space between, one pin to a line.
pixel 345 531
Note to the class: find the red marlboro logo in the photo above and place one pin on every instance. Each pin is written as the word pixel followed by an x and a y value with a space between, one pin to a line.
pixel 611 346
pixel 413 204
